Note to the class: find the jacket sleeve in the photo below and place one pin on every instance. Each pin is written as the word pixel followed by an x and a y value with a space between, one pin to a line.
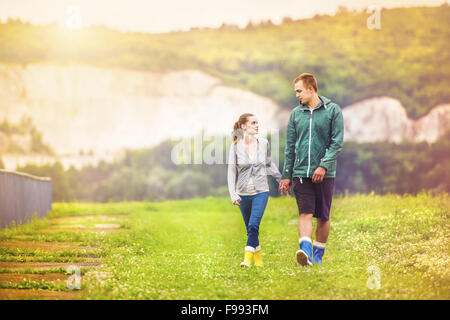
pixel 289 151
pixel 232 175
pixel 271 167
pixel 337 139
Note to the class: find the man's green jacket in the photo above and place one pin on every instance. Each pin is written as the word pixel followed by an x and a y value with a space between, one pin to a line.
pixel 313 138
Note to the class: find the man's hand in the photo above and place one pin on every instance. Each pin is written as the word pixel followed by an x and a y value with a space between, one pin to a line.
pixel 285 186
pixel 237 202
pixel 318 175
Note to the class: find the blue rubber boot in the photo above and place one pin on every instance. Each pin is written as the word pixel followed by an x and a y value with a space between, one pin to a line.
pixel 317 255
pixel 318 251
pixel 304 255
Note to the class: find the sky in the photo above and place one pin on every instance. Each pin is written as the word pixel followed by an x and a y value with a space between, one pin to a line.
pixel 172 15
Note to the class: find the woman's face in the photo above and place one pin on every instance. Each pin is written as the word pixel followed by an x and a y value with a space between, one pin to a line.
pixel 251 127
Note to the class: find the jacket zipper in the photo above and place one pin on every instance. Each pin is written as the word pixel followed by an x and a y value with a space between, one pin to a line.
pixel 309 143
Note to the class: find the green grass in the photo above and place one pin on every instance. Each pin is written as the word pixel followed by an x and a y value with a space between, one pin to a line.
pixel 191 249
pixel 62 270
pixel 36 285
pixel 50 255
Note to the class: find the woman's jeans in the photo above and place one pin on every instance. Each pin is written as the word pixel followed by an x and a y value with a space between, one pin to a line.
pixel 252 209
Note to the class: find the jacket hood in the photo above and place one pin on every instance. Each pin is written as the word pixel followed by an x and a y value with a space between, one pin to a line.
pixel 324 99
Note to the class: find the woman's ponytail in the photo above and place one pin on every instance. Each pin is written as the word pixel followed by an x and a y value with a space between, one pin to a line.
pixel 237 130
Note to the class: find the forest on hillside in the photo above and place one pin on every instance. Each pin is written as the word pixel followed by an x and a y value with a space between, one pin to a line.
pixel 27 132
pixel 406 59
pixel 149 174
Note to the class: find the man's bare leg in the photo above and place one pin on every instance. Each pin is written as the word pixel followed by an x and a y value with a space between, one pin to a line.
pixel 322 230
pixel 305 225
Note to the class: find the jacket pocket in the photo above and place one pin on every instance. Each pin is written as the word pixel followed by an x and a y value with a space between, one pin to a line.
pixel 331 167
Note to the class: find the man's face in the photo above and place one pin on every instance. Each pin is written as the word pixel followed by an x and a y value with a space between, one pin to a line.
pixel 304 95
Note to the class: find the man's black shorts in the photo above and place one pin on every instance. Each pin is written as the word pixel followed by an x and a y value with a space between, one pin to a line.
pixel 314 198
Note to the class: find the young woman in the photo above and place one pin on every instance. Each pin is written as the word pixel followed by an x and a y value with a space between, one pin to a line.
pixel 250 158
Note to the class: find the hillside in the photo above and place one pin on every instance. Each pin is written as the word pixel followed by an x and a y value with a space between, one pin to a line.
pixel 22 138
pixel 89 108
pixel 385 119
pixel 406 60
pixel 88 114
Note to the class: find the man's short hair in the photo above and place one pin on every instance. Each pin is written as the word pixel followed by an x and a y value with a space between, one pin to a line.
pixel 308 80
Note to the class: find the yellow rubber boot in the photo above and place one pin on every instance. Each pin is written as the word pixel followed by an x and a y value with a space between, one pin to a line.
pixel 248 257
pixel 258 258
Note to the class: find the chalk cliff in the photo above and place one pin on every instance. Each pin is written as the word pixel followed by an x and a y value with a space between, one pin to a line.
pixel 83 108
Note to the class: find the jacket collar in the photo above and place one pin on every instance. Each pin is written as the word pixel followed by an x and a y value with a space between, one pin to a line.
pixel 324 102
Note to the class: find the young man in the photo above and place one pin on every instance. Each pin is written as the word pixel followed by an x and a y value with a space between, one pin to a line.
pixel 314 137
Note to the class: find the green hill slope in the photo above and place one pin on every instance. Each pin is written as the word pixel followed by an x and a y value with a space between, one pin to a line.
pixel 407 59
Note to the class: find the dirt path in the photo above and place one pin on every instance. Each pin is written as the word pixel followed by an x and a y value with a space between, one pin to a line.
pixel 46 265
pixel 15 273
pixel 44 246
pixel 10 278
pixel 20 294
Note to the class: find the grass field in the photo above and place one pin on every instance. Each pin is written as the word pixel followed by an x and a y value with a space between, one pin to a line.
pixel 191 249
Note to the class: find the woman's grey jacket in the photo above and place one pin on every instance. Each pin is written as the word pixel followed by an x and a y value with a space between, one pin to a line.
pixel 261 166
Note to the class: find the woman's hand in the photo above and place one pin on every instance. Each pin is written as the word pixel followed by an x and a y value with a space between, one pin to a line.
pixel 237 202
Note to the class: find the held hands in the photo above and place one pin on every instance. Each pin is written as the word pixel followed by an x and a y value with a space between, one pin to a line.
pixel 285 186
